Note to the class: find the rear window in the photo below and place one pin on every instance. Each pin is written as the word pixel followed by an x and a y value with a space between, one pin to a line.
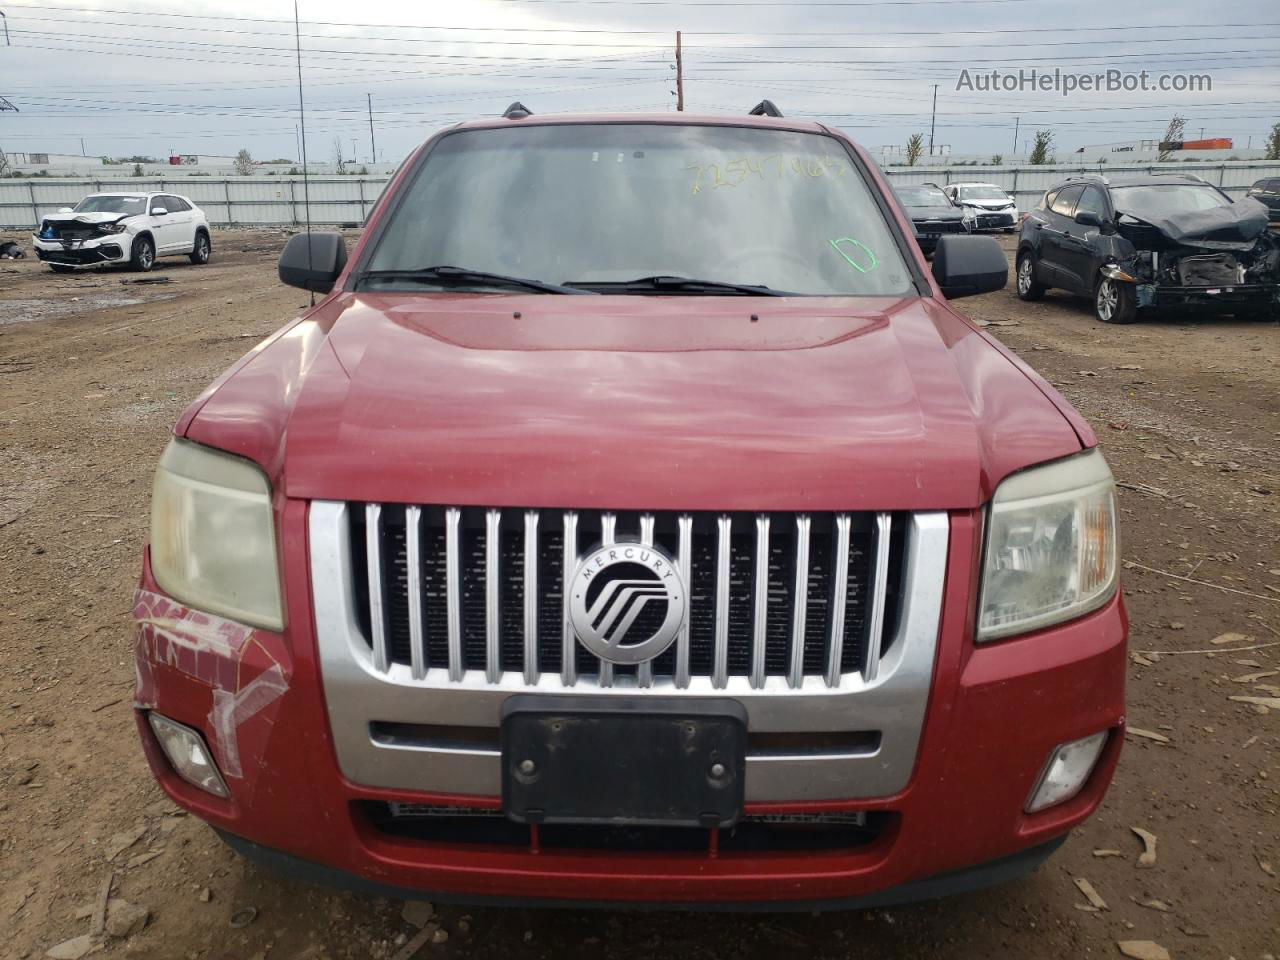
pixel 582 203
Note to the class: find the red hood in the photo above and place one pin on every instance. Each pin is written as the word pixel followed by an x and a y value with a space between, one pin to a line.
pixel 635 402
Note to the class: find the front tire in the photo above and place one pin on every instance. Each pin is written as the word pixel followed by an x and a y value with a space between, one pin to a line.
pixel 1029 288
pixel 200 253
pixel 1115 301
pixel 143 256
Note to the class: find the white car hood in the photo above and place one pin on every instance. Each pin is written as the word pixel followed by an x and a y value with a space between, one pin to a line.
pixel 988 204
pixel 87 217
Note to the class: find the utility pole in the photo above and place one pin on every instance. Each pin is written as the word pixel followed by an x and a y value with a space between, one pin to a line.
pixel 933 118
pixel 5 21
pixel 1016 121
pixel 353 149
pixel 679 75
pixel 82 153
pixel 1202 133
pixel 373 150
pixel 297 141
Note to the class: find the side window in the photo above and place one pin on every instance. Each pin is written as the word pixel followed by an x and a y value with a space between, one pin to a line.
pixel 1047 202
pixel 178 205
pixel 154 202
pixel 1092 199
pixel 1066 199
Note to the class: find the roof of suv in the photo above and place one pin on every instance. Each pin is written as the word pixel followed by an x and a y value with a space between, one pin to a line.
pixel 725 120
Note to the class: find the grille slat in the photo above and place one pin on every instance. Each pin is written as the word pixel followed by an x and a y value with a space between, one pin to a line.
pixel 791 597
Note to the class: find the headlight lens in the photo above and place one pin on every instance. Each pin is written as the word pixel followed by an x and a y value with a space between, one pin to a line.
pixel 117 227
pixel 213 544
pixel 1051 546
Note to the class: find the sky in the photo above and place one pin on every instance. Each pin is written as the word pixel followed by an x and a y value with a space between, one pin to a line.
pixel 155 78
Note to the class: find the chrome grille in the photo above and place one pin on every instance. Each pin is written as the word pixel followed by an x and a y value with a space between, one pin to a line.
pixel 473 593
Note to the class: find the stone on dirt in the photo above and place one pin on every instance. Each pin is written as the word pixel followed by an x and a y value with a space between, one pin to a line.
pixel 73 949
pixel 124 919
pixel 417 912
pixel 1143 950
pixel 1147 734
pixel 121 842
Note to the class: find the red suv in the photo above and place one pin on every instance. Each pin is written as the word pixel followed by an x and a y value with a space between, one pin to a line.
pixel 634 520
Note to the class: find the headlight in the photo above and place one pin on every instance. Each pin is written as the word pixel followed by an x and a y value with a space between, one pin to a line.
pixel 1051 546
pixel 213 544
pixel 117 227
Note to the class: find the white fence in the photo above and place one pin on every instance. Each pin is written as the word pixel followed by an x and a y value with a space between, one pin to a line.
pixel 225 200
pixel 251 201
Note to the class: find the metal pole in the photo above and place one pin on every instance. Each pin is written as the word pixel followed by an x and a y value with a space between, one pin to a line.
pixel 302 120
pixel 933 118
pixel 373 150
pixel 679 74
pixel 5 21
pixel 1016 121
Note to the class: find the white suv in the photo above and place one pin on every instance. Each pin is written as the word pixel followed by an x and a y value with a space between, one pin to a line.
pixel 132 228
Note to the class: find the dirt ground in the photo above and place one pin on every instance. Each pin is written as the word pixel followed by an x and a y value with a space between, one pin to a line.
pixel 93 373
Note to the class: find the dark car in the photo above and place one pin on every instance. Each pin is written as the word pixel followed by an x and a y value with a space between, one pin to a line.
pixel 1267 192
pixel 931 212
pixel 1151 242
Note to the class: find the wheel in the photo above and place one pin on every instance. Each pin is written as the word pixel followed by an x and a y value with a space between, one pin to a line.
pixel 143 257
pixel 200 254
pixel 1029 288
pixel 60 268
pixel 1115 302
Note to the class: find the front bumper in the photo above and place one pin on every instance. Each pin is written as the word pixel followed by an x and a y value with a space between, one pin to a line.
pixel 995 220
pixel 1243 296
pixel 994 714
pixel 111 248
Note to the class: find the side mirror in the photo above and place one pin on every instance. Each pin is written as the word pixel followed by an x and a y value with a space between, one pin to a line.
pixel 313 262
pixel 1087 218
pixel 158 211
pixel 967 265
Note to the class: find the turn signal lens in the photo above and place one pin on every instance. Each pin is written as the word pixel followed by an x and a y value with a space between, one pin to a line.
pixel 1066 771
pixel 188 755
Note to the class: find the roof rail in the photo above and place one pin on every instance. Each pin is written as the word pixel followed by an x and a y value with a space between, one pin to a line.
pixel 1092 177
pixel 517 111
pixel 765 108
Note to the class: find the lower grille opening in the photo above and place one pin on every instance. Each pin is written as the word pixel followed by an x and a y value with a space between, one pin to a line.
pixel 822 831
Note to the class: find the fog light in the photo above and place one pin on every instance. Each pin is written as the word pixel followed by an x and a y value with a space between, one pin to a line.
pixel 1066 771
pixel 188 755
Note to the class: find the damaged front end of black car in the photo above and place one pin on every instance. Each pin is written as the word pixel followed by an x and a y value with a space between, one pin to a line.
pixel 1222 258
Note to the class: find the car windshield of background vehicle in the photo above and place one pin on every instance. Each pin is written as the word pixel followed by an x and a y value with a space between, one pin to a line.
pixel 610 203
pixel 1162 200
pixel 923 197
pixel 982 193
pixel 130 206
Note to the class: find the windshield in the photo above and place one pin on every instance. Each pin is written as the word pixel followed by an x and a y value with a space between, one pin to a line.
pixel 595 203
pixel 982 193
pixel 923 197
pixel 1161 200
pixel 130 206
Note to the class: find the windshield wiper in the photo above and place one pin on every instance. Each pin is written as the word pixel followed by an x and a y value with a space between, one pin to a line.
pixel 669 284
pixel 447 276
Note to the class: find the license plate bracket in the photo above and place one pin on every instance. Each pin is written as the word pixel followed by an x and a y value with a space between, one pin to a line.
pixel 623 761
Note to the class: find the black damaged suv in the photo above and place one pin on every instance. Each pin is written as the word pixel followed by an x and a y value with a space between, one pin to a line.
pixel 1152 242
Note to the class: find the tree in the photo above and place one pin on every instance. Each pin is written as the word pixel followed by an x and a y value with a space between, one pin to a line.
pixel 138 171
pixel 1172 135
pixel 1040 152
pixel 338 161
pixel 244 163
pixel 997 159
pixel 4 164
pixel 1273 143
pixel 915 146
